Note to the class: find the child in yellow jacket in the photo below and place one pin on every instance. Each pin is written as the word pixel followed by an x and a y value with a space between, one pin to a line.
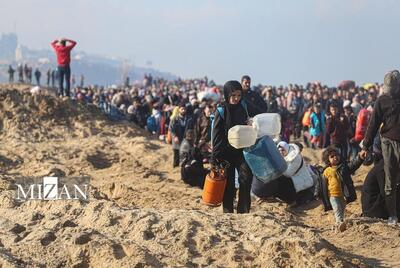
pixel 339 185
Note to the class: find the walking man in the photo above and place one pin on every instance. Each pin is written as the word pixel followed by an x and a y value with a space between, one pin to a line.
pixel 386 117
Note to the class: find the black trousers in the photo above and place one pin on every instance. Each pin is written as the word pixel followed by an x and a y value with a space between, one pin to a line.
pixel 342 147
pixel 245 180
pixel 176 158
pixel 391 158
pixel 64 71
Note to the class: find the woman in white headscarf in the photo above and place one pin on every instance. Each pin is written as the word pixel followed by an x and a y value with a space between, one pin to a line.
pixel 297 168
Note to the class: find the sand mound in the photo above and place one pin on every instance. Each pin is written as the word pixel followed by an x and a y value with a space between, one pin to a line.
pixel 102 233
pixel 141 214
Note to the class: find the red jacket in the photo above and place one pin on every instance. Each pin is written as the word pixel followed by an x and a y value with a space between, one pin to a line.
pixel 63 52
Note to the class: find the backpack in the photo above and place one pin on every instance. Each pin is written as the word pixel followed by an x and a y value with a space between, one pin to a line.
pixel 220 111
pixel 152 124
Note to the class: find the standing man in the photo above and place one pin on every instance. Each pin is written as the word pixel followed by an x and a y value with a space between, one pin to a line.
pixel 30 75
pixel 256 104
pixel 63 52
pixel 386 117
pixel 337 127
pixel 37 76
pixel 53 78
pixel 178 127
pixel 11 72
pixel 26 73
pixel 270 99
pixel 48 77
pixel 20 73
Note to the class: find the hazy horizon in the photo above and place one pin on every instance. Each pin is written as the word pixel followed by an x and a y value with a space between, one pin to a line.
pixel 275 42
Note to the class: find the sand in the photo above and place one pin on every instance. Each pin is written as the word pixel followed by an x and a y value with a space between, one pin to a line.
pixel 141 214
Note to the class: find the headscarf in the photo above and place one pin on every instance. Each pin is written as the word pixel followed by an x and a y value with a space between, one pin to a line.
pixel 283 145
pixel 230 109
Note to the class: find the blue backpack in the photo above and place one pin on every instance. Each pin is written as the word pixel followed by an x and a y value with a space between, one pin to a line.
pixel 152 124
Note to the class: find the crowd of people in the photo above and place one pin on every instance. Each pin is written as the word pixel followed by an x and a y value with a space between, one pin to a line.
pixel 194 116
pixel 25 74
pixel 318 115
pixel 183 112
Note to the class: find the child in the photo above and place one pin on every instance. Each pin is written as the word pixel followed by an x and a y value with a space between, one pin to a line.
pixel 317 126
pixel 192 168
pixel 338 188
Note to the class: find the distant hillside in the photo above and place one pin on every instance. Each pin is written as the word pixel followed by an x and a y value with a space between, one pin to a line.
pixel 97 69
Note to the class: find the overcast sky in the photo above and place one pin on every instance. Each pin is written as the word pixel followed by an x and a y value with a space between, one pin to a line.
pixel 274 41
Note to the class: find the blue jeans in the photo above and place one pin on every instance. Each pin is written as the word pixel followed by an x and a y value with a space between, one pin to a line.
pixel 64 71
pixel 338 206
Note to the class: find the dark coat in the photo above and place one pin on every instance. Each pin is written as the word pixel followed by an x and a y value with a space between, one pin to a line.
pixel 255 103
pixel 202 131
pixel 272 105
pixel 178 127
pixel 344 171
pixel 222 150
pixel 386 111
pixel 338 129
pixel 373 194
pixel 192 168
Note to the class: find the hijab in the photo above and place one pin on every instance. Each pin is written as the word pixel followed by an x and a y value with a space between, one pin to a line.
pixel 235 114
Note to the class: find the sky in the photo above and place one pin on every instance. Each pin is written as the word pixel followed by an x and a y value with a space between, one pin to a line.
pixel 276 42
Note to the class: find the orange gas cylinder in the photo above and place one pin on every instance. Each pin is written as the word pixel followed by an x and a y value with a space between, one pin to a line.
pixel 214 187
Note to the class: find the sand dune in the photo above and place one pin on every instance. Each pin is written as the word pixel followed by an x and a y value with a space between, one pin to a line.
pixel 141 214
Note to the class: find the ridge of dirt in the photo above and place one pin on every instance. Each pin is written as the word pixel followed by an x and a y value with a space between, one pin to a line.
pixel 140 212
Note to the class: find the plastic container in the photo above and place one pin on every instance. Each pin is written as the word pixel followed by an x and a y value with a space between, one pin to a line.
pixel 267 124
pixel 264 160
pixel 241 136
pixel 214 188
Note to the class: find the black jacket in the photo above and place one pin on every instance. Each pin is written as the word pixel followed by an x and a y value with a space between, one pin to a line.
pixel 179 126
pixel 344 171
pixel 386 111
pixel 222 150
pixel 272 105
pixel 255 103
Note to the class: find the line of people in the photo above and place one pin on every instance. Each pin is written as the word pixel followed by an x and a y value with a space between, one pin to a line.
pixel 26 73
pixel 180 112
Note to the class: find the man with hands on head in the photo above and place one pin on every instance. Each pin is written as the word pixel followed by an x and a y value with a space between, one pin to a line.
pixel 63 52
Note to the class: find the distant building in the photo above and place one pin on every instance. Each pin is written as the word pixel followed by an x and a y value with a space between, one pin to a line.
pixel 8 45
pixel 18 54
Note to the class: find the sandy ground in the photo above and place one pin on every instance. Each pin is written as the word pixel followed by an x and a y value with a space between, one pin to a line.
pixel 141 214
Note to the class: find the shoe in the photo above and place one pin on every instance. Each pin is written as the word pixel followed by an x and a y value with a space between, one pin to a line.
pixel 342 227
pixel 392 221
